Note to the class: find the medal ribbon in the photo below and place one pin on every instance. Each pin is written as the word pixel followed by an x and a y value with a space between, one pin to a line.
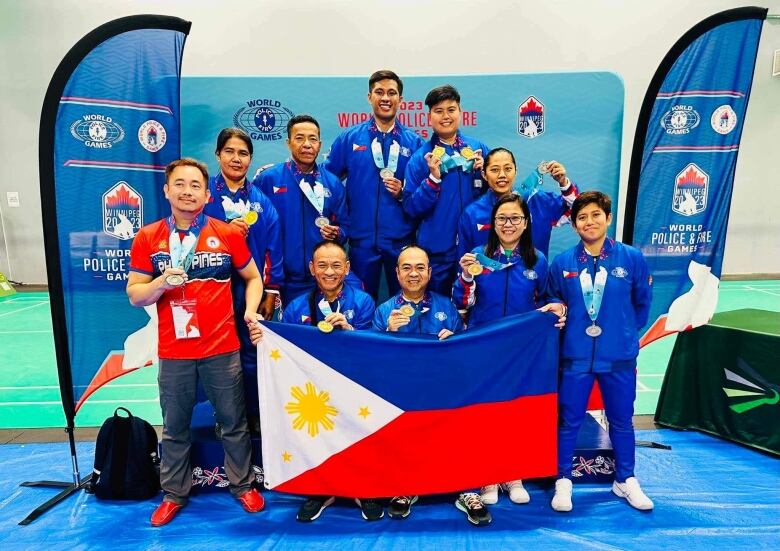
pixel 315 195
pixel 182 251
pixel 492 265
pixel 325 308
pixel 528 187
pixel 392 157
pixel 593 291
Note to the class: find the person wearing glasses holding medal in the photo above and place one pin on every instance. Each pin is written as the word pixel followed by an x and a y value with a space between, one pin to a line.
pixel 183 264
pixel 548 209
pixel 332 305
pixel 507 276
pixel 442 178
pixel 608 289
pixel 235 201
pixel 372 157
pixel 311 204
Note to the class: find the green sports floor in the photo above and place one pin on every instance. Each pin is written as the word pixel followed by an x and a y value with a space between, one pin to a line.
pixel 29 391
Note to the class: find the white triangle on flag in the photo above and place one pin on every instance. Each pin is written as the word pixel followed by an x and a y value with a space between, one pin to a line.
pixel 289 380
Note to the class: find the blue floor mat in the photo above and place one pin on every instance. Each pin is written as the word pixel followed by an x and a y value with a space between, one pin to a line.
pixel 709 494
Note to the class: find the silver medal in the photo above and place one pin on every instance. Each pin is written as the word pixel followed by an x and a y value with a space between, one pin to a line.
pixel 593 330
pixel 174 280
pixel 386 173
pixel 321 222
pixel 544 167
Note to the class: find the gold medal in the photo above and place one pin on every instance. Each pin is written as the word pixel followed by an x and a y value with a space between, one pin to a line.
pixel 407 310
pixel 475 269
pixel 467 153
pixel 438 152
pixel 324 326
pixel 250 217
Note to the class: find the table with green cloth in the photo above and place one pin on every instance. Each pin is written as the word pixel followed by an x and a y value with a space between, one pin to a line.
pixel 724 379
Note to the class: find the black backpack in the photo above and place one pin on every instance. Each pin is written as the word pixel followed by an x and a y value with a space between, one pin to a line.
pixel 126 460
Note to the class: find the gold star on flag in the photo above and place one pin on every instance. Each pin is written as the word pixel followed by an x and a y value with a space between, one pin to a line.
pixel 275 354
pixel 286 457
pixel 364 413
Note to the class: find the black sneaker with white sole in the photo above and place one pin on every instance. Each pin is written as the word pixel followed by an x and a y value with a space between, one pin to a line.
pixel 476 512
pixel 371 509
pixel 401 506
pixel 312 508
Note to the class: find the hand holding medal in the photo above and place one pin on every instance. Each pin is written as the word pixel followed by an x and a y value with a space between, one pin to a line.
pixel 470 265
pixel 434 161
pixel 173 278
pixel 400 317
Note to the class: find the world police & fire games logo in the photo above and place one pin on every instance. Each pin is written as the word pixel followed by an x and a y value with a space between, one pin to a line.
pixel 690 191
pixel 530 118
pixel 122 211
pixel 97 131
pixel 264 120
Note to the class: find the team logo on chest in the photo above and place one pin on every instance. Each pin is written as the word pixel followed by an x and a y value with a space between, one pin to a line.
pixel 441 316
pixel 122 211
pixel 212 242
pixel 530 274
pixel 690 191
pixel 530 118
pixel 619 272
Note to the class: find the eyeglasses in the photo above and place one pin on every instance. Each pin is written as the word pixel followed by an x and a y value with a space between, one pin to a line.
pixel 514 220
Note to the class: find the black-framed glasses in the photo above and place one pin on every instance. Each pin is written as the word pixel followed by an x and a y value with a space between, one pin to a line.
pixel 514 220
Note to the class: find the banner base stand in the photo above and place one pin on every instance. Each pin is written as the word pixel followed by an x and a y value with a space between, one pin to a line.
pixel 69 488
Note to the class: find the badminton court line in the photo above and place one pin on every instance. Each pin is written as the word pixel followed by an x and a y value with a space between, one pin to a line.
pixel 33 306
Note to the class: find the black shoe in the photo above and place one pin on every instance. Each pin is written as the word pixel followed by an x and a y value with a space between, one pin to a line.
pixel 218 430
pixel 476 512
pixel 401 506
pixel 313 507
pixel 371 509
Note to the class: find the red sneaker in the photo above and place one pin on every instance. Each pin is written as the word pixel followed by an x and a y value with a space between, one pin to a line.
pixel 165 513
pixel 252 501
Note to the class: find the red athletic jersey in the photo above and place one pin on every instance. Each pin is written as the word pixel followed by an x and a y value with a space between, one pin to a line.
pixel 219 249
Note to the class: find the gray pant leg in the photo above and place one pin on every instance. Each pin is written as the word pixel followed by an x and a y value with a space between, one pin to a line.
pixel 177 380
pixel 223 381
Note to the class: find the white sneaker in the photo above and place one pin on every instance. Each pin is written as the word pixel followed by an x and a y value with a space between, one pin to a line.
pixel 489 494
pixel 517 494
pixel 561 501
pixel 633 493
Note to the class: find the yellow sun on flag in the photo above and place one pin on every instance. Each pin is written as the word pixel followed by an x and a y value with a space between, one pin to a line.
pixel 312 409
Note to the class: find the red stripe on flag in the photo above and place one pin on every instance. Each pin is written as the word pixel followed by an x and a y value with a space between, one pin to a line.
pixel 439 451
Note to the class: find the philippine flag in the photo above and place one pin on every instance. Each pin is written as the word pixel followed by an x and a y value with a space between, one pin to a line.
pixel 280 189
pixel 366 414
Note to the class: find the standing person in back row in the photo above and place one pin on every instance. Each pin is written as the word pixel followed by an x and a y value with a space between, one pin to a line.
pixel 310 202
pixel 442 179
pixel 371 157
pixel 183 264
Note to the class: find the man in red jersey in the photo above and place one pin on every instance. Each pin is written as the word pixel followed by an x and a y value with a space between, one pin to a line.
pixel 183 264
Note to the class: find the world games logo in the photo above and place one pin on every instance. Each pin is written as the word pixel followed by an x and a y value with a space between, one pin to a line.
pixel 97 131
pixel 681 119
pixel 264 120
pixel 122 211
pixel 690 191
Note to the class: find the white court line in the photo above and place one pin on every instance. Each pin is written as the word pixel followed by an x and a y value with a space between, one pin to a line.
pixel 58 402
pixel 23 332
pixel 52 387
pixel 749 288
pixel 641 386
pixel 22 309
pixel 763 291
pixel 651 374
pixel 648 390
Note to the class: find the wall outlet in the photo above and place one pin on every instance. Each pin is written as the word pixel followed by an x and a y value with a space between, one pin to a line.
pixel 13 198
